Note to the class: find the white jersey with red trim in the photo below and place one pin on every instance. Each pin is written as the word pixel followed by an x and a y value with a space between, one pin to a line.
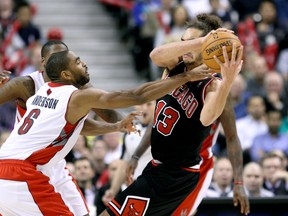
pixel 43 136
pixel 38 80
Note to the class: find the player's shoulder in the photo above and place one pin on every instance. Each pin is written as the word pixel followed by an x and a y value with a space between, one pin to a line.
pixel 22 80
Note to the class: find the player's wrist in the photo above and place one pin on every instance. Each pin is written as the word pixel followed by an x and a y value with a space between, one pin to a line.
pixel 238 182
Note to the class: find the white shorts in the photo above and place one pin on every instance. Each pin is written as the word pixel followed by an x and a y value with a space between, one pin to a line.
pixel 26 191
pixel 66 185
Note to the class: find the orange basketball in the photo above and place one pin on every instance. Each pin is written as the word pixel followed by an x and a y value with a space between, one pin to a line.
pixel 213 46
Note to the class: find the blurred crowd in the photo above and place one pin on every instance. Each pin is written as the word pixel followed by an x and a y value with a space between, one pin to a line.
pixel 259 92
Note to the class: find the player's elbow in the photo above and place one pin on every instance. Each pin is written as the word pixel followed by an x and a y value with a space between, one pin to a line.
pixel 155 56
pixel 207 120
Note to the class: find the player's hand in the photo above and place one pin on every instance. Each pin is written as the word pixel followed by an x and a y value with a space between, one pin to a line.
pixel 132 165
pixel 239 196
pixel 4 77
pixel 217 30
pixel 200 72
pixel 108 196
pixel 127 125
pixel 231 68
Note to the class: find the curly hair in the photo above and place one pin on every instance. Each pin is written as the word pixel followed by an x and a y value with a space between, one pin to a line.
pixel 206 23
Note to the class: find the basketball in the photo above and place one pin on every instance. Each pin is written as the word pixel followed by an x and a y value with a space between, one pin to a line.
pixel 213 46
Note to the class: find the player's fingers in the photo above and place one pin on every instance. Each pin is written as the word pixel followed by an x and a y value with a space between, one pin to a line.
pixel 239 54
pixel 247 207
pixel 6 72
pixel 233 56
pixel 217 60
pixel 225 55
pixel 136 113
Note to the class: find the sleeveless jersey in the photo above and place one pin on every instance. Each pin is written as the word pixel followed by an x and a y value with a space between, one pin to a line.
pixel 43 136
pixel 38 79
pixel 177 132
pixel 208 143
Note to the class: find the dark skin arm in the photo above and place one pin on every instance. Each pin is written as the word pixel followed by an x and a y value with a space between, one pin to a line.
pixel 94 128
pixel 107 115
pixel 19 88
pixel 235 155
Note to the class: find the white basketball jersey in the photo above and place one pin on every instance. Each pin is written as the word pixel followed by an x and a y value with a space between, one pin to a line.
pixel 43 136
pixel 38 80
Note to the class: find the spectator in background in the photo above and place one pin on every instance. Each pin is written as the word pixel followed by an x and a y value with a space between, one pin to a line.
pixel 21 36
pixel 7 17
pixel 251 125
pixel 55 33
pixel 179 19
pixel 144 28
pixel 112 169
pixel 34 60
pixel 114 146
pixel 240 96
pixel 253 181
pixel 221 186
pixel 99 150
pixel 282 60
pixel 245 8
pixel 80 149
pixel 272 139
pixel 275 175
pixel 84 174
pixel 223 12
pixel 28 32
pixel 196 7
pixel 275 97
pixel 255 81
pixel 7 116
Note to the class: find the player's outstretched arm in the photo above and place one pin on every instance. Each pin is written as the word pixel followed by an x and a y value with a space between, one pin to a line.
pixel 108 115
pixel 235 155
pixel 94 128
pixel 82 101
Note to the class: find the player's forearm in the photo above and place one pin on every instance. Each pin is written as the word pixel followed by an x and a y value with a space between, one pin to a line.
pixel 144 144
pixel 163 54
pixel 94 128
pixel 156 89
pixel 109 115
pixel 214 105
pixel 235 155
pixel 143 94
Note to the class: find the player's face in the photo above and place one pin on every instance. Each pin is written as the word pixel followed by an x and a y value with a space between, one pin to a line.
pixel 192 58
pixel 78 69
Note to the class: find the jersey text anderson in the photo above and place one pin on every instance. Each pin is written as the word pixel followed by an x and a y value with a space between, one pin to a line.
pixel 50 103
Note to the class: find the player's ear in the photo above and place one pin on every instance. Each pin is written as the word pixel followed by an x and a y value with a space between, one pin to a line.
pixel 66 75
pixel 43 63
